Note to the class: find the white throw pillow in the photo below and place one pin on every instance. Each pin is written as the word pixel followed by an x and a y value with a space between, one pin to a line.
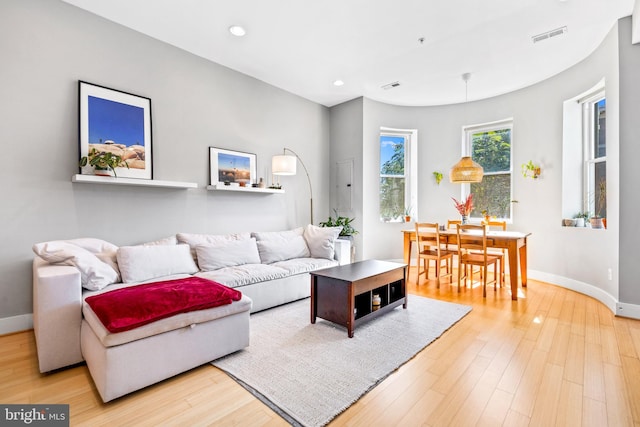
pixel 321 240
pixel 194 240
pixel 139 263
pixel 281 249
pixel 227 254
pixel 94 258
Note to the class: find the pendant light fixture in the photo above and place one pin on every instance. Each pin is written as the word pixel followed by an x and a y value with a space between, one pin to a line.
pixel 466 170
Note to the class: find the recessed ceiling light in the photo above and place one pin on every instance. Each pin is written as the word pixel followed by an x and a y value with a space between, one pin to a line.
pixel 237 30
pixel 338 83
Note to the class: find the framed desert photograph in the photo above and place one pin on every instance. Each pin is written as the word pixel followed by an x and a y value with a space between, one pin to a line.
pixel 115 125
pixel 231 167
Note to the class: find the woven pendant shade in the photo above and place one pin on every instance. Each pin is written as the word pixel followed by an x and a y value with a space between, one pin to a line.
pixel 466 170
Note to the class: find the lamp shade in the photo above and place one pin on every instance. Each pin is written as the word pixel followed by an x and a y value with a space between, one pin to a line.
pixel 283 165
pixel 466 170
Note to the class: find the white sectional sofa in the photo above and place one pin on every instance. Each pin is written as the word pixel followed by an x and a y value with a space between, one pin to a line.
pixel 268 268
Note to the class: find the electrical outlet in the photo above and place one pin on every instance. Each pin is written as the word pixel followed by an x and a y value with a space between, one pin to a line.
pixel 610 272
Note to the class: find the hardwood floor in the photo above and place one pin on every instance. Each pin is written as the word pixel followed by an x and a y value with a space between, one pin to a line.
pixel 554 357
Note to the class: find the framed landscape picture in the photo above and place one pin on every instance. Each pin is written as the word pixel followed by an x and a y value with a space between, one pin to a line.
pixel 229 167
pixel 119 123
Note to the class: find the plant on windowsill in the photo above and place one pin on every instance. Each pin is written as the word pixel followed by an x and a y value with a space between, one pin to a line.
pixel 531 170
pixel 103 162
pixel 597 221
pixel 407 214
pixel 581 218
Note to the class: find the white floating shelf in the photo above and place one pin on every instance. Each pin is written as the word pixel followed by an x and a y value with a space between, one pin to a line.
pixel 222 187
pixel 94 179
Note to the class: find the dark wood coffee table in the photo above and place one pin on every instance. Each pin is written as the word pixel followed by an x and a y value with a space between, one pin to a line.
pixel 344 294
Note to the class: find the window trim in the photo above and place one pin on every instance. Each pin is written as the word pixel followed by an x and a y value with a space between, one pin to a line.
pixel 410 167
pixel 589 159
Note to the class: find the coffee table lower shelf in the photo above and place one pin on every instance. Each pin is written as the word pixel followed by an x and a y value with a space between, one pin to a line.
pixel 344 294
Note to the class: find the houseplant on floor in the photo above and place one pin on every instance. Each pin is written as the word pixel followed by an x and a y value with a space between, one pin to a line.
pixel 104 162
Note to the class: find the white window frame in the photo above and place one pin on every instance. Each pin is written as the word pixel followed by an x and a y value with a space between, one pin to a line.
pixel 467 132
pixel 589 136
pixel 410 168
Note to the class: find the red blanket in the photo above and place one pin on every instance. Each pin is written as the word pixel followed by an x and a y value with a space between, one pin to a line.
pixel 128 308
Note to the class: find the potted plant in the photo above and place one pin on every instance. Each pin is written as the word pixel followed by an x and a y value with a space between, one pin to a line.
pixel 597 221
pixel 581 218
pixel 343 221
pixel 530 169
pixel 464 207
pixel 347 231
pixel 103 162
pixel 438 176
pixel 407 214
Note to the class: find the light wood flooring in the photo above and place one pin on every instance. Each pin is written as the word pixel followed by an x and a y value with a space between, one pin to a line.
pixel 554 357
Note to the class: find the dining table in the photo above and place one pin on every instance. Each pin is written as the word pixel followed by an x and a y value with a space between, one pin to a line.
pixel 515 242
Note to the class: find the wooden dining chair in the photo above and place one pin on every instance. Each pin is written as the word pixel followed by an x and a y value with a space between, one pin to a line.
pixel 430 248
pixel 498 225
pixel 472 251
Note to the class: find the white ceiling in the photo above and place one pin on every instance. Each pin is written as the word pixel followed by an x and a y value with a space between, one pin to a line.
pixel 302 46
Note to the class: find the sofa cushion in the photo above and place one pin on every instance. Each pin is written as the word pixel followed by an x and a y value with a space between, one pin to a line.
pixel 276 246
pixel 321 240
pixel 304 265
pixel 138 263
pixel 124 309
pixel 94 258
pixel 246 274
pixel 227 254
pixel 178 321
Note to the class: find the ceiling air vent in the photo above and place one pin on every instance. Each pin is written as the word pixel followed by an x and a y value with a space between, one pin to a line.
pixel 391 85
pixel 549 34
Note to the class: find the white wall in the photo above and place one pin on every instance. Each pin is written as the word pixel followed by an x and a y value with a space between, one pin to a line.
pixel 45 48
pixel 576 258
pixel 629 195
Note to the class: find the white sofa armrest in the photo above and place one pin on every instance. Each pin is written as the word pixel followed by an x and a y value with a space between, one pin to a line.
pixel 57 314
pixel 342 251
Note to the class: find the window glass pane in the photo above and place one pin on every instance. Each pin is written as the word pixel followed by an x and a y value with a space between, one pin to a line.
pixel 600 191
pixel 493 194
pixel 600 129
pixel 392 198
pixel 392 155
pixel 492 150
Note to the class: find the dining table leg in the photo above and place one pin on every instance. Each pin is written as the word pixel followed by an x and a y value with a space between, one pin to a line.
pixel 513 269
pixel 523 263
pixel 407 252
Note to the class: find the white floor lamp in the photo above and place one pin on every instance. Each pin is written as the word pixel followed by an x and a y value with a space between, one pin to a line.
pixel 286 165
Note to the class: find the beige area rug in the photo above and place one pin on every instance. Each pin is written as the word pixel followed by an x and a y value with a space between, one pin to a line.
pixel 311 373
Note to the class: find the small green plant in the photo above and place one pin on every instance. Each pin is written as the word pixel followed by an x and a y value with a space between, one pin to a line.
pixel 438 176
pixel 407 210
pixel 584 215
pixel 337 221
pixel 530 169
pixel 103 160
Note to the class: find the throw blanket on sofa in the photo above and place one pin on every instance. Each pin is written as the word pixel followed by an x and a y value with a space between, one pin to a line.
pixel 128 308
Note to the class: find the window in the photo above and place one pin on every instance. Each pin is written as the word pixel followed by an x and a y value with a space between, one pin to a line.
pixel 490 146
pixel 595 154
pixel 398 189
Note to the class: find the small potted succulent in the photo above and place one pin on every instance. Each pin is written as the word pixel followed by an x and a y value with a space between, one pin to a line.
pixel 103 162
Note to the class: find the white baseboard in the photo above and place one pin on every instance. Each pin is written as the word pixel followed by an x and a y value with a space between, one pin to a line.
pixel 13 324
pixel 628 310
pixel 618 308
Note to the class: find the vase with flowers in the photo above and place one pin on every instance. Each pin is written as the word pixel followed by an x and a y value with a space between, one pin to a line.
pixel 464 208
